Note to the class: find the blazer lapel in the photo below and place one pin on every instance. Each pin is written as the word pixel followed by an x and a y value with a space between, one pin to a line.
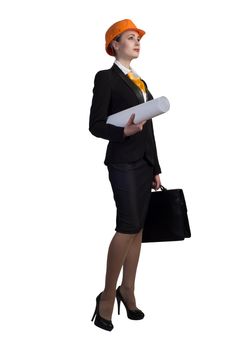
pixel 148 94
pixel 130 83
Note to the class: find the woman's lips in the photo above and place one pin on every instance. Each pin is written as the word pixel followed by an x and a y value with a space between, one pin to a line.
pixel 137 50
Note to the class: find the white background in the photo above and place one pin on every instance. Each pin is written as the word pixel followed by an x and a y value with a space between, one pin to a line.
pixel 57 209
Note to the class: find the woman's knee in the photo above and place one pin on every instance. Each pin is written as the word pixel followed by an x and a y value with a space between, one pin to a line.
pixel 131 234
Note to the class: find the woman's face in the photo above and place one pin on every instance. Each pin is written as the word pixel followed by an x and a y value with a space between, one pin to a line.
pixel 129 45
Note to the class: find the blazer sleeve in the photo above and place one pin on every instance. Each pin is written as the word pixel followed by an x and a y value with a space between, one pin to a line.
pixel 156 168
pixel 99 110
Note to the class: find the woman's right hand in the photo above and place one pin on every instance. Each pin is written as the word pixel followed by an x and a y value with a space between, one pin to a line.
pixel 131 128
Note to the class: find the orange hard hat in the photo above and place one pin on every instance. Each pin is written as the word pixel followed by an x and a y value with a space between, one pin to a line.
pixel 118 28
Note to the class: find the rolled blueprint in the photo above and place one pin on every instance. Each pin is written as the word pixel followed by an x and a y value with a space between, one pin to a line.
pixel 143 111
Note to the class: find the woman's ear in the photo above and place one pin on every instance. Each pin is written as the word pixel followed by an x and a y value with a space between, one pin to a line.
pixel 114 45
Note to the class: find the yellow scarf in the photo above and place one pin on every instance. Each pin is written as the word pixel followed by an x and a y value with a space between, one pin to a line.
pixel 137 81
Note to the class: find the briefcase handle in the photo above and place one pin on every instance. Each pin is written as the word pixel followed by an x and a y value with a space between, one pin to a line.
pixel 162 188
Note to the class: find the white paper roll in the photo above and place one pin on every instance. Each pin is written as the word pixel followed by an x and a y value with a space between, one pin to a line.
pixel 143 111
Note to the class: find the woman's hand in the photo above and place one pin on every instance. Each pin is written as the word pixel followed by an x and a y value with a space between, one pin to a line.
pixel 156 182
pixel 131 128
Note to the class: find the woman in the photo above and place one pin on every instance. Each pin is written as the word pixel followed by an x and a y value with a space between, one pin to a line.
pixel 133 167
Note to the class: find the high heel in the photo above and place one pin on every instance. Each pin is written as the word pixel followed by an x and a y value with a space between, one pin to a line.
pixel 100 321
pixel 132 314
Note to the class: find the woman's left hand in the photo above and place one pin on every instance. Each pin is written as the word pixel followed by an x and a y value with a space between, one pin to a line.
pixel 156 183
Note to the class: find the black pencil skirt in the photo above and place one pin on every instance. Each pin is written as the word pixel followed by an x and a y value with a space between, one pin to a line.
pixel 131 184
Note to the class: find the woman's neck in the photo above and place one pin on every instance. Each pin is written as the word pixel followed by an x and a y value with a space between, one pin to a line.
pixel 124 62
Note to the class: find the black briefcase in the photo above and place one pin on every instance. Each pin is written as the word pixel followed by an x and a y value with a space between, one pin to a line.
pixel 166 218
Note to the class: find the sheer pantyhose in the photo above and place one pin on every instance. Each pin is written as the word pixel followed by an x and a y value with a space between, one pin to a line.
pixel 124 251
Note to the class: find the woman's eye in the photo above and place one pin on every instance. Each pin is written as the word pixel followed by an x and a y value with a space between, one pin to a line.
pixel 131 37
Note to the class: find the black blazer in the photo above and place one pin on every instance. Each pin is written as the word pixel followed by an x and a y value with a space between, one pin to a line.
pixel 113 92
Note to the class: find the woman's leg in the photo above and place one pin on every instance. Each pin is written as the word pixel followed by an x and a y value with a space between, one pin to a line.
pixel 131 183
pixel 129 271
pixel 118 250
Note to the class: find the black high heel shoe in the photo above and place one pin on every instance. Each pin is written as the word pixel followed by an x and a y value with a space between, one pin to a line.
pixel 132 314
pixel 100 321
